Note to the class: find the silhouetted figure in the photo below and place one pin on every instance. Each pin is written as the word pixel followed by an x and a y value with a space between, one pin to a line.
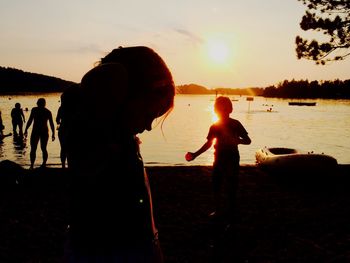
pixel 2 127
pixel 111 209
pixel 40 116
pixel 65 116
pixel 229 133
pixel 17 120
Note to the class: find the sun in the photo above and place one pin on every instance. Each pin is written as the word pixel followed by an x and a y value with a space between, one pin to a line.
pixel 218 51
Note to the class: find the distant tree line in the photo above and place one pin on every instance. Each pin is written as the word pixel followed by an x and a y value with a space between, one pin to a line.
pixel 241 91
pixel 197 89
pixel 193 89
pixel 335 89
pixel 15 81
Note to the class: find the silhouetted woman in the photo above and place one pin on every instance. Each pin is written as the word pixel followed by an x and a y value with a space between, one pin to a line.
pixel 111 210
pixel 40 116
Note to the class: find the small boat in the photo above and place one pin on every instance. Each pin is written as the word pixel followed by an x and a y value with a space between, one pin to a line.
pixel 301 103
pixel 293 160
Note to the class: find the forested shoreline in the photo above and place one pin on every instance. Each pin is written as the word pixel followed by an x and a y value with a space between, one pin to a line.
pixel 335 89
pixel 18 81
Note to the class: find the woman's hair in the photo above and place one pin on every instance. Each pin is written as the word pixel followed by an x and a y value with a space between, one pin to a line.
pixel 148 75
pixel 223 104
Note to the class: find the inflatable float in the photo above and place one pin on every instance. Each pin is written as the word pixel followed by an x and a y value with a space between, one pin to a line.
pixel 293 160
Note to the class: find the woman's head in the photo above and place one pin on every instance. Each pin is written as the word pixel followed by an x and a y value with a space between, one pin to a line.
pixel 148 75
pixel 17 105
pixel 137 79
pixel 223 106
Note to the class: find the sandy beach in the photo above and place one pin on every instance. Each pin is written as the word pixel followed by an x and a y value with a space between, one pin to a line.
pixel 279 219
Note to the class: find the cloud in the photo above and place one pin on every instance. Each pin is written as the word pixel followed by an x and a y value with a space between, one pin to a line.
pixel 189 35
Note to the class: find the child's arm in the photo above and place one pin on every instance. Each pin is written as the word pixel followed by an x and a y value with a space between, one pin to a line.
pixel 245 140
pixel 193 155
pixel 243 137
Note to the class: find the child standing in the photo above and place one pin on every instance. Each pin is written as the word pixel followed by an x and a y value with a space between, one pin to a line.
pixel 229 133
pixel 111 208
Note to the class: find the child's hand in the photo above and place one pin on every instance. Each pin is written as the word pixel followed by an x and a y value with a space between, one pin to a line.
pixel 189 156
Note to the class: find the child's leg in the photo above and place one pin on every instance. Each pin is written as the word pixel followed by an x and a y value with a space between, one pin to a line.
pixel 232 187
pixel 217 187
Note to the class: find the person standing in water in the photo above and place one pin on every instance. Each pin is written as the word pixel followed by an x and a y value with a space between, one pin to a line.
pixel 111 205
pixel 2 127
pixel 228 133
pixel 64 118
pixel 17 120
pixel 40 116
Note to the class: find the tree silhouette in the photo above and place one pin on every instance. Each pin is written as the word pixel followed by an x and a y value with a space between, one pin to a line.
pixel 332 18
pixel 15 80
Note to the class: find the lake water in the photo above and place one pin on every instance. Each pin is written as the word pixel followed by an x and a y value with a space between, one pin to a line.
pixel 324 128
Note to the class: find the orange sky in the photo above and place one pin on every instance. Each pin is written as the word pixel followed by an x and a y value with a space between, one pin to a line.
pixel 227 43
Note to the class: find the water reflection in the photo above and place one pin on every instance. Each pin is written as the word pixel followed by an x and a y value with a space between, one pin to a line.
pixel 19 143
pixel 323 128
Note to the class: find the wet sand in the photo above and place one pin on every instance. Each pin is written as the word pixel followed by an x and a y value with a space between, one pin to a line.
pixel 279 219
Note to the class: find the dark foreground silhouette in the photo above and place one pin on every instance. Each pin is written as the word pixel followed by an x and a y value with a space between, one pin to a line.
pixel 279 220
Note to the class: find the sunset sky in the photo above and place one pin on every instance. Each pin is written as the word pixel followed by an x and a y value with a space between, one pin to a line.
pixel 226 43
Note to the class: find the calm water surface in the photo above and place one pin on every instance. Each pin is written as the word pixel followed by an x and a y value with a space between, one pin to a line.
pixel 324 128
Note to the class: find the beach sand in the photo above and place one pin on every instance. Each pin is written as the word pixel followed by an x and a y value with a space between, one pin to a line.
pixel 278 219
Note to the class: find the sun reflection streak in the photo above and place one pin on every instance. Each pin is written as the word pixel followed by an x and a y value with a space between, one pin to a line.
pixel 214 117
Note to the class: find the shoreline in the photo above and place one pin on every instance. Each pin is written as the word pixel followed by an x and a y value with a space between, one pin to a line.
pixel 279 219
